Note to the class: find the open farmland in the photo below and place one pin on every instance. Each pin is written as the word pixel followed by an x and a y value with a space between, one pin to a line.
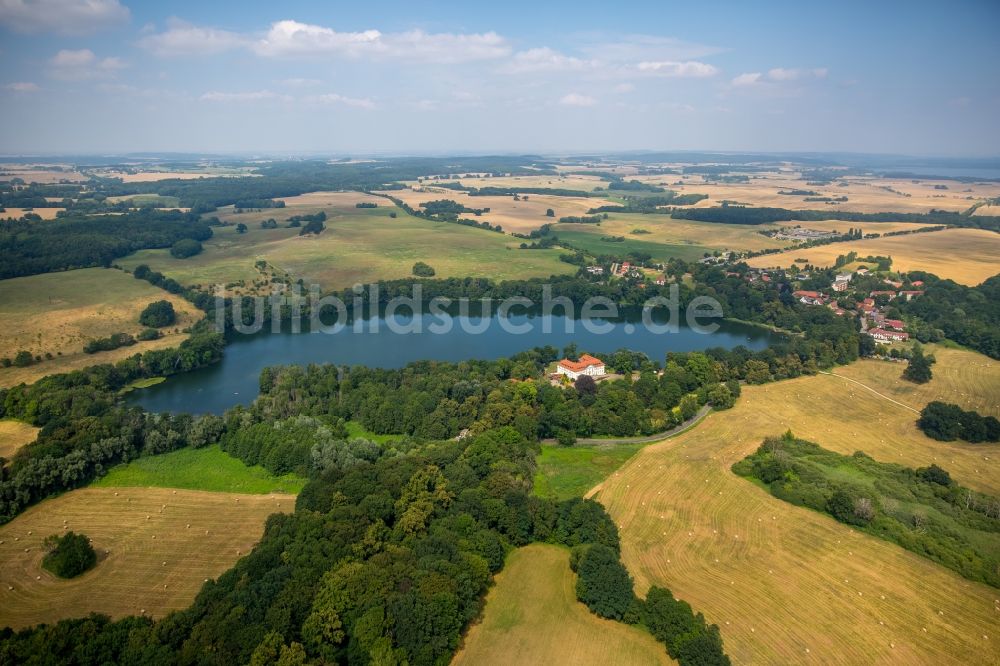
pixel 571 181
pixel 967 256
pixel 532 617
pixel 788 585
pixel 44 213
pixel 521 216
pixel 14 435
pixel 161 547
pixel 58 313
pixel 359 246
pixel 864 194
pixel 667 236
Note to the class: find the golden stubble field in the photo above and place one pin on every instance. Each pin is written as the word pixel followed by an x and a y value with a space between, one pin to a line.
pixel 864 194
pixel 532 617
pixel 967 256
pixel 162 545
pixel 788 585
pixel 14 435
pixel 60 312
pixel 521 216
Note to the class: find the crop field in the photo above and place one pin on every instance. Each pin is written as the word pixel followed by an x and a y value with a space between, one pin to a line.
pixel 14 435
pixel 967 256
pixel 148 200
pixel 58 313
pixel 209 468
pixel 532 617
pixel 44 213
pixel 864 194
pixel 521 216
pixel 590 239
pixel 570 471
pixel 46 174
pixel 788 585
pixel 156 548
pixel 679 237
pixel 360 246
pixel 582 182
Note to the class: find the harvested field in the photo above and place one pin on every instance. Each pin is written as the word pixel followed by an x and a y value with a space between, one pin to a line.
pixel 532 617
pixel 58 313
pixel 521 216
pixel 967 256
pixel 781 580
pixel 152 566
pixel 14 435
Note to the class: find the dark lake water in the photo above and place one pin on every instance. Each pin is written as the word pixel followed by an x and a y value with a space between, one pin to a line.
pixel 235 380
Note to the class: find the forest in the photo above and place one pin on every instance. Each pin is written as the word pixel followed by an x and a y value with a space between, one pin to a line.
pixel 745 215
pixel 29 248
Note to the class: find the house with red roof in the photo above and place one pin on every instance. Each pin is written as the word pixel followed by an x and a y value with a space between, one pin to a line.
pixel 894 324
pixel 585 365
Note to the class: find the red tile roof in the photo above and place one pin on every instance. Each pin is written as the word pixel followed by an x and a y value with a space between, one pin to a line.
pixel 585 362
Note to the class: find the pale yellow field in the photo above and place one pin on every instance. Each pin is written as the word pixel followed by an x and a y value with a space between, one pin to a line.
pixel 514 216
pixel 153 566
pixel 864 194
pixel 14 435
pixel 152 176
pixel 55 173
pixel 44 213
pixel 866 227
pixel 967 256
pixel 566 182
pixel 788 585
pixel 665 229
pixel 338 200
pixel 60 312
pixel 532 617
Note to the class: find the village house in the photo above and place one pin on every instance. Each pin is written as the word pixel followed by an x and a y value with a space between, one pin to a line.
pixel 910 295
pixel 894 324
pixel 862 271
pixel 890 294
pixel 841 283
pixel 882 335
pixel 595 270
pixel 867 306
pixel 586 365
pixel 809 297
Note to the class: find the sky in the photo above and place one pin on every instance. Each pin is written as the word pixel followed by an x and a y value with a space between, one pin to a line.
pixel 376 77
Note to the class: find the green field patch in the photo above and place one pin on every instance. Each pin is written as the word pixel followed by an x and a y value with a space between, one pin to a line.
pixel 569 471
pixel 209 468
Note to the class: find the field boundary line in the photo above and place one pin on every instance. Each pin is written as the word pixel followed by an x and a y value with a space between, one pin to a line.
pixel 865 386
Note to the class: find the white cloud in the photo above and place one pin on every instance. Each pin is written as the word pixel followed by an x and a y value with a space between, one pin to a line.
pixel 82 64
pixel 748 79
pixel 624 88
pixel 181 39
pixel 334 98
pixel 680 69
pixel 636 48
pixel 254 96
pixel 545 60
pixel 22 87
pixel 291 38
pixel 576 99
pixel 62 16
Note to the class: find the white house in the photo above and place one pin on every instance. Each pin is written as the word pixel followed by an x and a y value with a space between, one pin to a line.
pixel 587 365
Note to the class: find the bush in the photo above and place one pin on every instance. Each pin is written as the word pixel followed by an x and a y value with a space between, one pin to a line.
pixel 420 269
pixel 184 248
pixel 149 334
pixel 23 359
pixel 69 555
pixel 158 314
pixel 114 341
pixel 566 438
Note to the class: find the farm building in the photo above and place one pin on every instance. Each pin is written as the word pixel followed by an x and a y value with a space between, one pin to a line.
pixel 883 335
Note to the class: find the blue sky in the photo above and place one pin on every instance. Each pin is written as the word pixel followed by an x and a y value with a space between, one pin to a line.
pixel 437 77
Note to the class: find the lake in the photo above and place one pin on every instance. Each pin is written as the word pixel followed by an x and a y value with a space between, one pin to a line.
pixel 234 380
